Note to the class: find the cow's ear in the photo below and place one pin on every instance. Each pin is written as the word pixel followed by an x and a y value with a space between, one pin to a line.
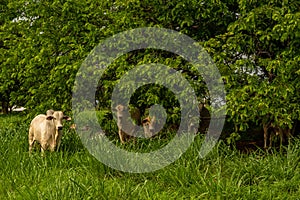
pixel 50 117
pixel 114 109
pixel 153 118
pixel 118 107
pixel 145 120
pixel 67 118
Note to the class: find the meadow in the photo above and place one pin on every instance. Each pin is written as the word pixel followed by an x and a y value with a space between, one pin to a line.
pixel 72 173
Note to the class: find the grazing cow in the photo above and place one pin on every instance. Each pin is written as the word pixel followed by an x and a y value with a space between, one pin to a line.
pixel 149 125
pixel 124 122
pixel 47 130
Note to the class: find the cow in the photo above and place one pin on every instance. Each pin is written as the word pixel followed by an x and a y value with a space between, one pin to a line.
pixel 270 131
pixel 283 133
pixel 149 126
pixel 47 130
pixel 124 122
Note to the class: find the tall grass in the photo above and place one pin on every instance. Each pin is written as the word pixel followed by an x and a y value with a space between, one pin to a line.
pixel 72 173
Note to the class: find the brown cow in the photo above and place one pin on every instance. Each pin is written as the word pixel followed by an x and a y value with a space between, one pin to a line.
pixel 149 125
pixel 124 122
pixel 270 131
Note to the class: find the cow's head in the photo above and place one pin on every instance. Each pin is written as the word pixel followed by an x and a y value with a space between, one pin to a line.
pixel 120 111
pixel 149 126
pixel 57 117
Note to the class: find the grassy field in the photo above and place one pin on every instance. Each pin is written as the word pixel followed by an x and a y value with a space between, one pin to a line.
pixel 73 173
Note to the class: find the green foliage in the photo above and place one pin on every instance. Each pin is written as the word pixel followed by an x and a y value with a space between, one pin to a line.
pixel 45 42
pixel 254 44
pixel 233 138
pixel 44 46
pixel 257 57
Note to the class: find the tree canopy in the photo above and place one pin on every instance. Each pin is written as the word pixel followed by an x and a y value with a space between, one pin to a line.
pixel 255 45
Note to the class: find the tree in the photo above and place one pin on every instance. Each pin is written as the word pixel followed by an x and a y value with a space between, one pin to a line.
pixel 254 44
pixel 258 57
pixel 198 19
pixel 43 60
pixel 11 34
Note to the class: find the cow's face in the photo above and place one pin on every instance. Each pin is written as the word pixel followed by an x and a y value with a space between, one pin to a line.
pixel 149 126
pixel 120 111
pixel 57 117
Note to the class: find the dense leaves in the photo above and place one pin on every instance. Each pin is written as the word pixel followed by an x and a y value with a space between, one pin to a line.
pixel 254 44
pixel 259 58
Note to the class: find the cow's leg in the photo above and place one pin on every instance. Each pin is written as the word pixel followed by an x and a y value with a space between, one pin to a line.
pixel 287 135
pixel 265 137
pixel 271 139
pixel 266 134
pixel 31 143
pixel 121 135
pixel 30 139
pixel 52 147
pixel 52 144
pixel 44 147
pixel 281 135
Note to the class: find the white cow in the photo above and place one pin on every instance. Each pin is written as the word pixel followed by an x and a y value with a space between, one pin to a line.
pixel 47 130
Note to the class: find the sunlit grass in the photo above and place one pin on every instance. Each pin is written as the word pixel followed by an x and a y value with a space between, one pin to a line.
pixel 73 173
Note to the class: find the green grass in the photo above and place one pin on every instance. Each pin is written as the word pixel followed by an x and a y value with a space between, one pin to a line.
pixel 73 173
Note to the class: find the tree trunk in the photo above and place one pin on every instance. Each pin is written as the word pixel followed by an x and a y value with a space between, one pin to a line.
pixel 5 107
